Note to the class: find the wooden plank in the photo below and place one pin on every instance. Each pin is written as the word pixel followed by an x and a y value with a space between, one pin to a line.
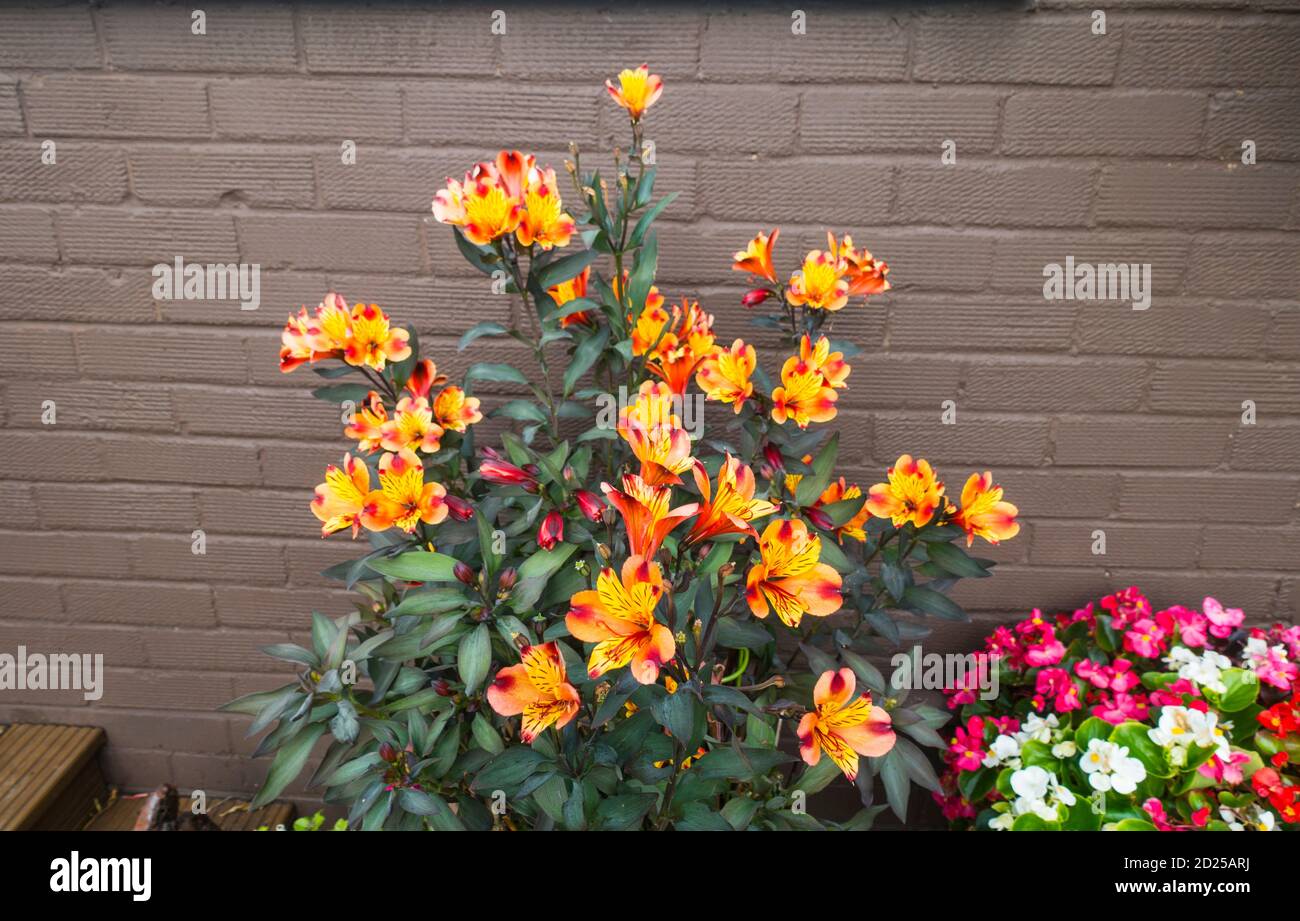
pixel 121 814
pixel 38 765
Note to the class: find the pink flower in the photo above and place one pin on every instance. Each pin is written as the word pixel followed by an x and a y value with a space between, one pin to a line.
pixel 1126 606
pixel 1228 772
pixel 1120 707
pixel 1056 683
pixel 1041 647
pixel 1222 620
pixel 968 745
pixel 1007 725
pixel 1156 810
pixel 1174 695
pixel 954 806
pixel 1145 639
pixel 1191 625
pixel 1120 677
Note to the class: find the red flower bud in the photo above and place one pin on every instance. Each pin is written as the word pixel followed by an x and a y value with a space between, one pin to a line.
pixel 499 471
pixel 458 508
pixel 755 297
pixel 773 455
pixel 551 532
pixel 387 752
pixel 463 573
pixel 441 687
pixel 591 504
pixel 820 519
pixel 506 581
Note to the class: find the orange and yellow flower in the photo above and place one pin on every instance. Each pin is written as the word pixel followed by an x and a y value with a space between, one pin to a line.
pixel 843 728
pixel 573 289
pixel 637 90
pixel 654 431
pixel 374 342
pixel 311 337
pixel 791 580
pixel 731 507
pixel 820 284
pixel 865 273
pixel 484 207
pixel 340 500
pixel 538 687
pixel 424 377
pixel 403 498
pixel 455 411
pixel 831 365
pixel 647 517
pixel 686 341
pixel 983 513
pixel 412 426
pixel 724 375
pixel 544 221
pixel 913 493
pixel 803 396
pixel 367 424
pixel 756 257
pixel 618 616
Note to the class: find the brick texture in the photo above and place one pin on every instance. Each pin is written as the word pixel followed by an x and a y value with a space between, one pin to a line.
pixel 172 416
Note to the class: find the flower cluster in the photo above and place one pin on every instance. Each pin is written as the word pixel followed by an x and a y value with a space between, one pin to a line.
pixel 607 614
pixel 1119 716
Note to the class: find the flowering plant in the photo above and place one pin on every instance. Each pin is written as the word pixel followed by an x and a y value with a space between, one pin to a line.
pixel 608 620
pixel 1127 718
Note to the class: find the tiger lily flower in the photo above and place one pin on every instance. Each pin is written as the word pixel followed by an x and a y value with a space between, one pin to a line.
pixel 374 343
pixel 367 423
pixel 790 579
pixel 544 221
pixel 865 273
pixel 831 365
pixel 571 290
pixel 983 513
pixel 655 434
pixel 637 90
pixel 340 500
pixel 455 411
pixel 647 517
pixel 913 493
pixel 731 507
pixel 618 616
pixel 424 377
pixel 412 426
pixel 724 375
pixel 756 257
pixel 538 687
pixel 403 498
pixel 803 396
pixel 841 727
pixel 820 284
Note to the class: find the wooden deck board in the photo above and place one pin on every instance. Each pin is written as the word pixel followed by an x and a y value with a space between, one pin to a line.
pixel 40 765
pixel 121 814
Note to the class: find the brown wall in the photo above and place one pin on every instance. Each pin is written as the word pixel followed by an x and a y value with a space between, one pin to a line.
pixel 172 415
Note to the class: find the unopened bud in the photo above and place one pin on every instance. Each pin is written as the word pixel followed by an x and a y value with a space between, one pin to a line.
pixel 506 581
pixel 820 519
pixel 602 691
pixel 387 752
pixel 464 573
pixel 441 687
pixel 755 297
pixel 603 551
pixel 726 569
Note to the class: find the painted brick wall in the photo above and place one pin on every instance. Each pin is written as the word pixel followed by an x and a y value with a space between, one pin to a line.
pixel 173 416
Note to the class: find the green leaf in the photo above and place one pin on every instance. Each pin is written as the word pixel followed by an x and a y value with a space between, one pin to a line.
pixel 474 656
pixel 817 777
pixel 416 566
pixel 584 356
pixel 521 410
pixel 508 769
pixel 420 802
pixel 291 653
pixel 928 601
pixel 745 764
pixel 434 601
pixel 676 713
pixel 917 764
pixel 955 560
pixel 643 225
pixel 742 634
pixel 564 268
pixel 699 817
pixel 624 811
pixel 1241 688
pixel 894 772
pixel 477 256
pixel 1092 728
pixel 478 331
pixel 1134 735
pixel 842 512
pixel 288 764
pixel 342 393
pixel 495 372
pixel 814 484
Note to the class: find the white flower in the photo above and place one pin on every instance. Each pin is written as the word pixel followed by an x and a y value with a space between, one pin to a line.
pixel 1036 728
pixel 1180 727
pixel 1038 791
pixel 1204 670
pixel 1109 767
pixel 1064 749
pixel 1002 821
pixel 1003 750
